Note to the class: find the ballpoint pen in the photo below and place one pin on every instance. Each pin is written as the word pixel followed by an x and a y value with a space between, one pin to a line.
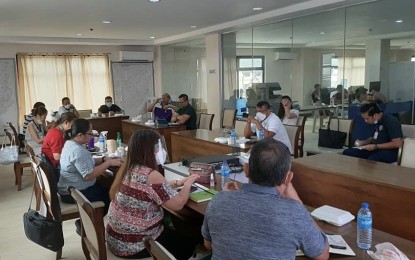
pixel 338 247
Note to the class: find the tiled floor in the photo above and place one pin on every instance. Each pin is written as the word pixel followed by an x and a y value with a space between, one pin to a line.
pixel 13 242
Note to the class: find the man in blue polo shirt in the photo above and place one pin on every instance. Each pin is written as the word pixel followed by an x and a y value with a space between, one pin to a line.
pixel 385 140
pixel 265 219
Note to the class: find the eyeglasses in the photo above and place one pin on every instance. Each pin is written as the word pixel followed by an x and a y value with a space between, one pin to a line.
pixel 89 133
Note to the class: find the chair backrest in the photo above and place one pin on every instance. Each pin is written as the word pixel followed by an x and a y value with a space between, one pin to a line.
pixel 406 153
pixel 408 131
pixel 86 113
pixel 240 127
pixel 301 122
pixel 9 135
pixel 93 232
pixel 293 134
pixel 343 125
pixel 198 118
pixel 30 150
pixel 206 121
pixel 228 119
pixel 157 251
pixel 16 135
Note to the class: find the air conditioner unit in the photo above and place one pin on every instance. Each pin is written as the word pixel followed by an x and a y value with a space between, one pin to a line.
pixel 136 56
pixel 285 55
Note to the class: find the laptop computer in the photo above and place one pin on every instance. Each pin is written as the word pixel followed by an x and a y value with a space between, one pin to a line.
pixel 162 122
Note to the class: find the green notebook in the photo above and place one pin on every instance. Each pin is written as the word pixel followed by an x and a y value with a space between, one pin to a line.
pixel 202 195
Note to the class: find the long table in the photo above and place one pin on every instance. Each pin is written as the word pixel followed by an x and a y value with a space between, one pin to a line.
pixel 348 231
pixel 129 127
pixel 345 182
pixel 110 124
pixel 191 143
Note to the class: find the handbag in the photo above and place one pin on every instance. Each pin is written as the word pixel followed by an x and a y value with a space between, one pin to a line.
pixel 331 138
pixel 203 170
pixel 44 231
pixel 9 153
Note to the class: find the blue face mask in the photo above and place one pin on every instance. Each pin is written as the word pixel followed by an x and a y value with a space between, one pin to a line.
pixel 109 104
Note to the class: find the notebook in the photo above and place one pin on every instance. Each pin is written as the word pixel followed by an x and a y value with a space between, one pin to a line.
pixel 202 193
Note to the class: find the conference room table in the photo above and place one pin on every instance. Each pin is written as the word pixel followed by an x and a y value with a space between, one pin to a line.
pixel 345 182
pixel 192 143
pixel 347 231
pixel 111 124
pixel 129 127
pixel 319 111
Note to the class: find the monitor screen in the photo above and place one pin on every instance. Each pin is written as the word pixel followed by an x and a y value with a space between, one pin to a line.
pixel 374 85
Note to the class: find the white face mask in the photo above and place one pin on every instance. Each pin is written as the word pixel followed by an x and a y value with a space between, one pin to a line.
pixel 261 117
pixel 109 104
pixel 39 122
pixel 161 155
pixel 68 106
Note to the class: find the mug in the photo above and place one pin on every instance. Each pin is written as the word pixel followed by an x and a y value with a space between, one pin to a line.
pixel 120 152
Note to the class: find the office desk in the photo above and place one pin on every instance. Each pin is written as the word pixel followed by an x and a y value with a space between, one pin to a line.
pixel 110 124
pixel 316 109
pixel 345 182
pixel 129 127
pixel 191 143
pixel 348 231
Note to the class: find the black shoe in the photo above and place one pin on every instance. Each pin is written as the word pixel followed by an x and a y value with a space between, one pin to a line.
pixel 78 226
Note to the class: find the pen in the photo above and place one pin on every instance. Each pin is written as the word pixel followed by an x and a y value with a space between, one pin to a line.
pixel 202 188
pixel 338 247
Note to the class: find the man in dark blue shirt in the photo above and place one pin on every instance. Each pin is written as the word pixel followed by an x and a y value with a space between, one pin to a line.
pixel 386 138
pixel 186 113
pixel 109 108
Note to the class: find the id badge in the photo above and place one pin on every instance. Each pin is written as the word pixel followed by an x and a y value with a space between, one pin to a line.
pixel 376 135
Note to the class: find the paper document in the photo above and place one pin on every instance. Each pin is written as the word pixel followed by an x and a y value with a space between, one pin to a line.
pixel 337 246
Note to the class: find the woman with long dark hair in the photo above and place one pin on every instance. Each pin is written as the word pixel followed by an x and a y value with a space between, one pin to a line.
pixel 137 195
pixel 36 130
pixel 79 169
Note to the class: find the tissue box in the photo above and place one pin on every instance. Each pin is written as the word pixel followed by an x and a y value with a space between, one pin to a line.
pixel 332 215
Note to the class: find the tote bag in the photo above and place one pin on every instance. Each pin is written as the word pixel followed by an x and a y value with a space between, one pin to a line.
pixel 9 154
pixel 331 138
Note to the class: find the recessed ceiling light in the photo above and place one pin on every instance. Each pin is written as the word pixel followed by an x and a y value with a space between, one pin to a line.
pixel 399 21
pixel 322 33
pixel 154 1
pixel 152 37
pixel 79 34
pixel 257 8
pixel 193 26
pixel 106 22
pixel 383 20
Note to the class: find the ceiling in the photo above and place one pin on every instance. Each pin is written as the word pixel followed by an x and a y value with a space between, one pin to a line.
pixel 133 22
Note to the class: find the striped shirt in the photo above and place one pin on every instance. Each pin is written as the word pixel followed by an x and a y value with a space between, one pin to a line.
pixel 136 212
pixel 27 120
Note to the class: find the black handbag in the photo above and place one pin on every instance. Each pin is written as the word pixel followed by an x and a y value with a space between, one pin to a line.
pixel 44 231
pixel 331 138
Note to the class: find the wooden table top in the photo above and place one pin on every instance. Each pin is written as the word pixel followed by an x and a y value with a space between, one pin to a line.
pixel 155 127
pixel 375 172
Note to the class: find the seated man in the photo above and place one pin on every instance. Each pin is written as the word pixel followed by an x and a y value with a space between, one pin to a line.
pixel 360 96
pixel 386 138
pixel 109 108
pixel 268 122
pixel 162 108
pixel 266 218
pixel 67 107
pixel 186 114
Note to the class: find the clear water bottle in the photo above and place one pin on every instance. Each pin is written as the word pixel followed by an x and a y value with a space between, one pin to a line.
pixel 364 227
pixel 260 134
pixel 225 172
pixel 233 137
pixel 101 142
pixel 119 142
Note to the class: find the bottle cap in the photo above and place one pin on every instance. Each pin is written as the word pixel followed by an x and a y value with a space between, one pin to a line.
pixel 365 205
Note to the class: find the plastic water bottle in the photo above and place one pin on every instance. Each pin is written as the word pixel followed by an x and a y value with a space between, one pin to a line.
pixel 364 227
pixel 225 172
pixel 260 134
pixel 233 137
pixel 119 142
pixel 101 142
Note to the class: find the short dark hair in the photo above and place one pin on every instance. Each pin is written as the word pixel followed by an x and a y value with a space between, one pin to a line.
pixel 39 104
pixel 167 95
pixel 184 96
pixel 370 108
pixel 359 92
pixel 68 116
pixel 286 97
pixel 39 111
pixel 79 126
pixel 263 103
pixel 65 98
pixel 269 163
pixel 108 97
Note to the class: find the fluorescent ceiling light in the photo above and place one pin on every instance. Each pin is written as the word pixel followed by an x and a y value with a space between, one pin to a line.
pixel 79 34
pixel 193 26
pixel 152 37
pixel 399 21
pixel 154 1
pixel 107 22
pixel 322 33
pixel 257 8
pixel 413 58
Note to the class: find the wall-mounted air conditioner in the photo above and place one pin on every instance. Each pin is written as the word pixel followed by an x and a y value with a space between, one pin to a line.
pixel 284 55
pixel 136 56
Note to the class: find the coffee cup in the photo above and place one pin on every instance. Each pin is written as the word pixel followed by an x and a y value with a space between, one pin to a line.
pixel 111 146
pixel 120 152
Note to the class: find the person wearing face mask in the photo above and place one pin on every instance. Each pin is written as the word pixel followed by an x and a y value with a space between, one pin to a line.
pixel 109 108
pixel 385 140
pixel 267 122
pixel 36 129
pixel 138 195
pixel 162 108
pixel 186 114
pixel 55 139
pixel 67 107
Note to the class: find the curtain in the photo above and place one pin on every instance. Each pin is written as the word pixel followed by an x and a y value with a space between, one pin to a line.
pixel 84 78
pixel 201 86
pixel 354 70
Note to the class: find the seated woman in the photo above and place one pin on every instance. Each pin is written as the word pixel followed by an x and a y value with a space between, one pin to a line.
pixel 79 169
pixel 162 108
pixel 287 114
pixel 55 139
pixel 138 194
pixel 36 129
